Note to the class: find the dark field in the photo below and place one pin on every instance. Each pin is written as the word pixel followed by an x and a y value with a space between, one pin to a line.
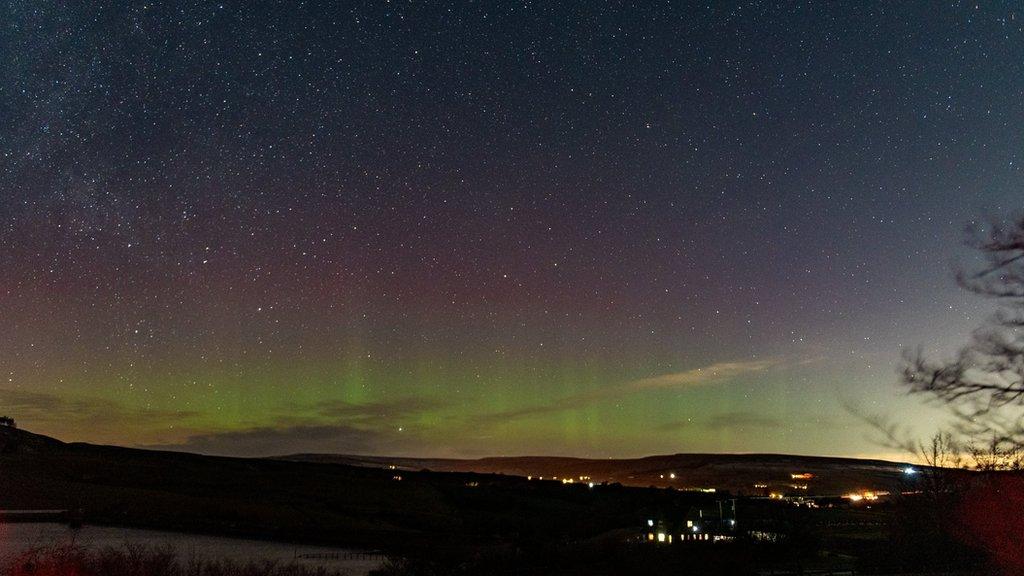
pixel 326 503
pixel 469 523
pixel 138 561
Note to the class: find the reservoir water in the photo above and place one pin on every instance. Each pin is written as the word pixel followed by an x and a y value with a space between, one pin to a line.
pixel 19 537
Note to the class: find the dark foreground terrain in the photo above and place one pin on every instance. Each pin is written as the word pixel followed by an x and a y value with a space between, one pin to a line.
pixel 474 523
pixel 128 560
pixel 741 474
pixel 311 502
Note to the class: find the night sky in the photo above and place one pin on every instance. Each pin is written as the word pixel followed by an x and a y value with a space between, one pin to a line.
pixel 491 228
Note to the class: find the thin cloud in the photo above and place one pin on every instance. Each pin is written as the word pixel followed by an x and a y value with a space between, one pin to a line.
pixel 272 441
pixel 742 421
pixel 723 371
pixel 726 421
pixel 48 410
pixel 396 408
pixel 333 426
pixel 713 374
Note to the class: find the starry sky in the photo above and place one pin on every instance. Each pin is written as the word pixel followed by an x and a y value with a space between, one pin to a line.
pixel 492 228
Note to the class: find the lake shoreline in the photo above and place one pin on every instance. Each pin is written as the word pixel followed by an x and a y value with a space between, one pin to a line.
pixel 20 538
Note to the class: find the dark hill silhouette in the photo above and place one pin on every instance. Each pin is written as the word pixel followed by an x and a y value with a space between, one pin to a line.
pixel 15 441
pixel 737 473
pixel 361 501
pixel 303 501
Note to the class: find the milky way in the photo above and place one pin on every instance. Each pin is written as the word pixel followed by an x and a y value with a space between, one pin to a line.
pixel 491 227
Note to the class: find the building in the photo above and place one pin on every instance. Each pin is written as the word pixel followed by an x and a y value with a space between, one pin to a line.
pixel 716 523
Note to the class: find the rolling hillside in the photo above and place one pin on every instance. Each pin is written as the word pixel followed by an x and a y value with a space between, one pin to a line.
pixel 308 501
pixel 751 474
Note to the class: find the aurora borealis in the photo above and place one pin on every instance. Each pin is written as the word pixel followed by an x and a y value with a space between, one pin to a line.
pixel 490 228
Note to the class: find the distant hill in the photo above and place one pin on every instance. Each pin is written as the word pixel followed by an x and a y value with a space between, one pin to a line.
pixel 750 474
pixel 333 503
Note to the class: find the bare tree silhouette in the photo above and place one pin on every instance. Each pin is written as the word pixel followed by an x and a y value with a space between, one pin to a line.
pixel 983 384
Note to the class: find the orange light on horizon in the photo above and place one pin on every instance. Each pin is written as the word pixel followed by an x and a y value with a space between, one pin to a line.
pixel 868 495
